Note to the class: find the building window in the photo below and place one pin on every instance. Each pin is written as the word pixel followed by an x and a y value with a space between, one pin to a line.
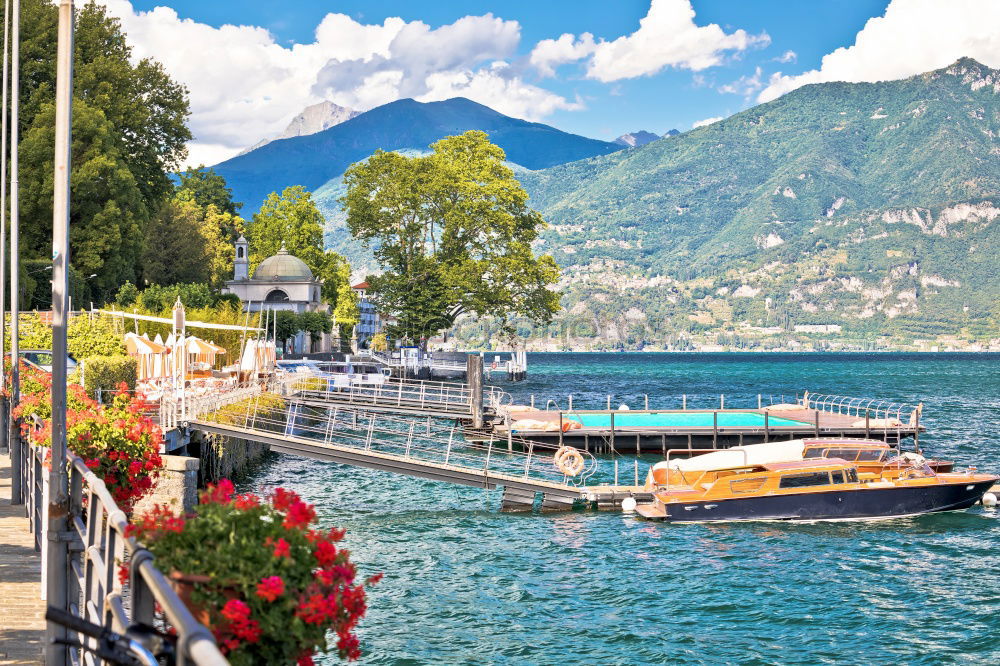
pixel 277 296
pixel 239 252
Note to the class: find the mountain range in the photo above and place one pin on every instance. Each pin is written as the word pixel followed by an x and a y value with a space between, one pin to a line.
pixel 866 208
pixel 863 211
pixel 316 159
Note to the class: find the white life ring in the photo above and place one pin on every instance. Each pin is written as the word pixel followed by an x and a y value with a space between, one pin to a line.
pixel 568 460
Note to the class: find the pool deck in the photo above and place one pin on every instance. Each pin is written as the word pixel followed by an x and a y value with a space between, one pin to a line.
pixel 661 438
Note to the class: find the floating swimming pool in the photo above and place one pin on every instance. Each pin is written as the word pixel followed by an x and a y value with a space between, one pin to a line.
pixel 680 420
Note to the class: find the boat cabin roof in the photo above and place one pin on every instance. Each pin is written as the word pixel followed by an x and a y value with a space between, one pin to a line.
pixel 805 464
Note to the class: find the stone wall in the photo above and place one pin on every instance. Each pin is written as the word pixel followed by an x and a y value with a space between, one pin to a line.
pixel 226 457
pixel 178 485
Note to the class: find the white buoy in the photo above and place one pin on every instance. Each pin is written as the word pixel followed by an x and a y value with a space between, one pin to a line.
pixel 628 505
pixel 623 407
pixel 989 499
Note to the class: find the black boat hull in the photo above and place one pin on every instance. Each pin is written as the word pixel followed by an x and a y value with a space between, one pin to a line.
pixel 857 504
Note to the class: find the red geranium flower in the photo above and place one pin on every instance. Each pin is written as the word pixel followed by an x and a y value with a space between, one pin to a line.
pixel 270 588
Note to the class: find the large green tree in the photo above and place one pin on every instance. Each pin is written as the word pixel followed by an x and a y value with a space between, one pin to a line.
pixel 129 134
pixel 292 220
pixel 208 188
pixel 453 232
pixel 184 243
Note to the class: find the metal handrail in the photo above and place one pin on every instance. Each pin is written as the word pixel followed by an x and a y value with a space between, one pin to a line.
pixel 97 535
pixel 422 440
pixel 859 407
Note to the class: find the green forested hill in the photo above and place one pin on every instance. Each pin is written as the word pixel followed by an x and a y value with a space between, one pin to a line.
pixel 872 206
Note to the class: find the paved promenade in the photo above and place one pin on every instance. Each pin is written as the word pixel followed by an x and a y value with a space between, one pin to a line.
pixel 22 623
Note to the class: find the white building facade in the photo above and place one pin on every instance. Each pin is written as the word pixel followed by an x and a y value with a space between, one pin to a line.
pixel 280 282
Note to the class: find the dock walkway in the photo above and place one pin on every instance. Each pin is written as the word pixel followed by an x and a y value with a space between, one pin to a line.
pixel 22 612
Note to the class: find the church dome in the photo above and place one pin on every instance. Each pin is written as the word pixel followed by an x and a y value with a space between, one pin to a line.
pixel 282 266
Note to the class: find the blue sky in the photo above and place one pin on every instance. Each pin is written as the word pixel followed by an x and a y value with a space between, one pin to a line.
pixel 622 65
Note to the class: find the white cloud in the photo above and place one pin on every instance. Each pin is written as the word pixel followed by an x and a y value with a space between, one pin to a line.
pixel 706 121
pixel 745 85
pixel 787 56
pixel 667 36
pixel 550 53
pixel 245 86
pixel 913 36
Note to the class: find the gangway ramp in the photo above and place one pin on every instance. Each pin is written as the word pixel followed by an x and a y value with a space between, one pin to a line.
pixel 399 396
pixel 424 448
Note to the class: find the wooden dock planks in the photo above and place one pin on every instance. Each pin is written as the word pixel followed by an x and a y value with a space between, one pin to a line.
pixel 22 612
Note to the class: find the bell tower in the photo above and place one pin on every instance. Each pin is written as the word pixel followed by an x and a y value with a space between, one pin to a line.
pixel 241 262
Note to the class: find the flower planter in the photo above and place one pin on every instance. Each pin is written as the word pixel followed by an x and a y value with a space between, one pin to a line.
pixel 184 585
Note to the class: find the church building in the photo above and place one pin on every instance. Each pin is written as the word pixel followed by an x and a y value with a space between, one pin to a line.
pixel 280 282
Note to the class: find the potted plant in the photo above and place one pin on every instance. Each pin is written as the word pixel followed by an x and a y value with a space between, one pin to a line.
pixel 258 572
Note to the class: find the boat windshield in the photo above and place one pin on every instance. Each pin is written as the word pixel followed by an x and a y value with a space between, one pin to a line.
pixel 805 480
pixel 851 454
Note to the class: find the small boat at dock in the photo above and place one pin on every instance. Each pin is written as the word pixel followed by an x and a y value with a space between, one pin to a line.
pixel 872 457
pixel 722 488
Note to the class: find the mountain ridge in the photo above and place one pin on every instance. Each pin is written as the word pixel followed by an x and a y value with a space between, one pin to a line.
pixel 316 159
pixel 873 204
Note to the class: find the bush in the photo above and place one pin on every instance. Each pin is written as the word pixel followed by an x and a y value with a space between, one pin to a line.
pixel 93 336
pixel 127 295
pixel 106 373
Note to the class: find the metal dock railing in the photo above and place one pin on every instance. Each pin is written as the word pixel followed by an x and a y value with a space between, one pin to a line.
pixel 425 448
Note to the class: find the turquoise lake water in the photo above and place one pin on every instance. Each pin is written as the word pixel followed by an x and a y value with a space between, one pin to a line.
pixel 674 419
pixel 466 584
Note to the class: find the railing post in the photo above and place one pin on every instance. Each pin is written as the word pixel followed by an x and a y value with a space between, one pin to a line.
pixel 447 452
pixel 527 461
pixel 409 440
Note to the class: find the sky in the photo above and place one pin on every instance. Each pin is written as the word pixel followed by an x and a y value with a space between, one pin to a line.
pixel 599 68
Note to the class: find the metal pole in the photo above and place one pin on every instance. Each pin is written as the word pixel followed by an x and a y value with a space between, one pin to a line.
pixel 15 96
pixel 15 471
pixel 58 547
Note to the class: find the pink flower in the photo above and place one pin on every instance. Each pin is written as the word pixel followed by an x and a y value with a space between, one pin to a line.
pixel 270 588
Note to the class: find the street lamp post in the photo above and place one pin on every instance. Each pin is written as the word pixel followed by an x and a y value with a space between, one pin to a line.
pixel 4 441
pixel 58 582
pixel 15 374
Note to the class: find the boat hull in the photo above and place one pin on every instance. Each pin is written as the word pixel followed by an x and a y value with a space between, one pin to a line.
pixel 853 504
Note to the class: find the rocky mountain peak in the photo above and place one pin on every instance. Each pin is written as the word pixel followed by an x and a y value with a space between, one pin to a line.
pixel 314 118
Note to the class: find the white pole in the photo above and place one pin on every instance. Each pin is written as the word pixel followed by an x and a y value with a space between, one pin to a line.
pixel 15 248
pixel 57 560
pixel 3 191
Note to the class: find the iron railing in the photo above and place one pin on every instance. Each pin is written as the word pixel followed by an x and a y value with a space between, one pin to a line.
pixel 422 440
pixel 871 408
pixel 97 545
pixel 414 394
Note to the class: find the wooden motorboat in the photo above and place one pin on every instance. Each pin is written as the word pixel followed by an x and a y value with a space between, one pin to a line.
pixel 810 489
pixel 873 458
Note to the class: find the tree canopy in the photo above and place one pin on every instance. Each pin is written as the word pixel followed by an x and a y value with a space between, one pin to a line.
pixel 129 132
pixel 208 188
pixel 453 232
pixel 186 242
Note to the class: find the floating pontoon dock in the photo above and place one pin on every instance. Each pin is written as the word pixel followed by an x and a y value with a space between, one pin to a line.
pixel 657 431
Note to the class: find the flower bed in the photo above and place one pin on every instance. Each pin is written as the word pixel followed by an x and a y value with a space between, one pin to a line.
pixel 117 441
pixel 271 584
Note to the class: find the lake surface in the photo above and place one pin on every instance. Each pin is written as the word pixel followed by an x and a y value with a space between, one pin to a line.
pixel 467 584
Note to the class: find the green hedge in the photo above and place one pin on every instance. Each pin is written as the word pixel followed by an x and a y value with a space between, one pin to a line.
pixel 105 373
